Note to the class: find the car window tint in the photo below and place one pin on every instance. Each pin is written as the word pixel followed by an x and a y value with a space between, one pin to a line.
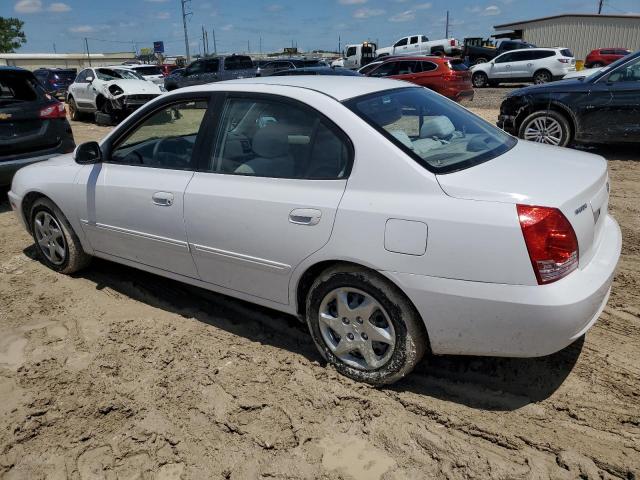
pixel 196 68
pixel 351 51
pixel 523 56
pixel 272 138
pixel 384 70
pixel 17 88
pixel 629 72
pixel 507 57
pixel 211 65
pixel 405 67
pixel 424 39
pixel 606 52
pixel 414 40
pixel 238 62
pixel 165 139
pixel 400 43
pixel 428 66
pixel 82 76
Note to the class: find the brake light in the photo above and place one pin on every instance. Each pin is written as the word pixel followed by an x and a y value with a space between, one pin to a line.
pixel 55 110
pixel 551 242
pixel 564 60
pixel 452 42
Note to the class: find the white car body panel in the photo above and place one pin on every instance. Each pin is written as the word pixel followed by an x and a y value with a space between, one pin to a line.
pixel 523 70
pixel 587 72
pixel 420 47
pixel 467 270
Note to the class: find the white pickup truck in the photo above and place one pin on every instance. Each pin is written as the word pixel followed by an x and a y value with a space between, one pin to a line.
pixel 356 56
pixel 421 45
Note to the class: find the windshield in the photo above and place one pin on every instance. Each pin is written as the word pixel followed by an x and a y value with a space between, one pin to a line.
pixel 107 74
pixel 438 133
pixel 130 74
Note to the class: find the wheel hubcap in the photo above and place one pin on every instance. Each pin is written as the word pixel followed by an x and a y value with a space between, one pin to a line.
pixel 356 328
pixel 544 130
pixel 50 238
pixel 541 78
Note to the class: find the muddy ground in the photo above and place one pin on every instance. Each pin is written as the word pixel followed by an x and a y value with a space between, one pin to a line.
pixel 114 373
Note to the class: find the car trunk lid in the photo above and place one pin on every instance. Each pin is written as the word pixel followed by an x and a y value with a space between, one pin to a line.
pixel 576 183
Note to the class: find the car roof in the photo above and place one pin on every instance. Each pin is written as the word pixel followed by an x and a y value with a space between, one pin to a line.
pixel 4 68
pixel 338 87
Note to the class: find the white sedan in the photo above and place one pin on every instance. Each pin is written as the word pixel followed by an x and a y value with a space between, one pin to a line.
pixel 389 219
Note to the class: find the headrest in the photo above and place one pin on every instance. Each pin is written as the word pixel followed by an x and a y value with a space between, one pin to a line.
pixel 439 127
pixel 383 111
pixel 271 141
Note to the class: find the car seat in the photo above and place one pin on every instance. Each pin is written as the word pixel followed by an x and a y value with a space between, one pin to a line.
pixel 271 147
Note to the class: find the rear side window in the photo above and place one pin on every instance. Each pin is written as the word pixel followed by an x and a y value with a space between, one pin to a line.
pixel 623 52
pixel 566 52
pixel 414 40
pixel 238 63
pixel 18 88
pixel 211 66
pixel 428 66
pixel 457 65
pixel 265 137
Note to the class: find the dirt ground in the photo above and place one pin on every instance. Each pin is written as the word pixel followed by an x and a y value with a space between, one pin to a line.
pixel 116 373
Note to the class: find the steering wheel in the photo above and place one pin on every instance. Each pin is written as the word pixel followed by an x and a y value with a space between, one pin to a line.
pixel 177 159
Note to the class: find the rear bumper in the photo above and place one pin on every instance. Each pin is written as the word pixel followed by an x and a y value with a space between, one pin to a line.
pixel 473 318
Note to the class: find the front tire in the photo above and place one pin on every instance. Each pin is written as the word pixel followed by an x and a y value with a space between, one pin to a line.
pixel 74 113
pixel 548 127
pixel 480 80
pixel 596 65
pixel 57 244
pixel 364 326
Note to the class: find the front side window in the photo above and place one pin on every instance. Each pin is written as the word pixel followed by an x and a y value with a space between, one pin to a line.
pixel 351 51
pixel 401 43
pixel 211 66
pixel 278 139
pixel 238 62
pixel 626 73
pixel 507 57
pixel 437 133
pixel 196 68
pixel 165 139
pixel 82 76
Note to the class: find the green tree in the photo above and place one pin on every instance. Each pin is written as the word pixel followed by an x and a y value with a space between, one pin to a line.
pixel 11 34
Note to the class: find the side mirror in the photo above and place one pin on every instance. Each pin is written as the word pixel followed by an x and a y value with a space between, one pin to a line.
pixel 89 79
pixel 88 153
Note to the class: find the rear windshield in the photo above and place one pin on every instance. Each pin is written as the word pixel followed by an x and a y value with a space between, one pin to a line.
pixel 18 88
pixel 566 52
pixel 438 133
pixel 150 70
pixel 458 65
pixel 238 63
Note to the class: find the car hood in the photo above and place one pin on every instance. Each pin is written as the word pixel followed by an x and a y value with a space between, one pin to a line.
pixel 135 87
pixel 529 173
pixel 561 86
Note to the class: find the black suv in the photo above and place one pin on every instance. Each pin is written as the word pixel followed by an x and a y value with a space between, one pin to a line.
pixel 33 126
pixel 278 65
pixel 600 108
pixel 56 80
pixel 212 69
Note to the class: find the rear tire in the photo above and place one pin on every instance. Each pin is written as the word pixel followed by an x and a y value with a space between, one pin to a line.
pixel 74 113
pixel 542 76
pixel 56 243
pixel 480 80
pixel 548 127
pixel 359 304
pixel 596 65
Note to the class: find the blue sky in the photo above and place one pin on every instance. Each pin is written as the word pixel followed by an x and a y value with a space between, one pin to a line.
pixel 115 25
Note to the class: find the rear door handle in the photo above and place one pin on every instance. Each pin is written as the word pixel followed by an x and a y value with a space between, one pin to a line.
pixel 162 199
pixel 305 216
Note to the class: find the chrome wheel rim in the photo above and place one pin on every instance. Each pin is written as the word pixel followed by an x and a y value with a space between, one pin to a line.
pixel 544 130
pixel 356 328
pixel 50 237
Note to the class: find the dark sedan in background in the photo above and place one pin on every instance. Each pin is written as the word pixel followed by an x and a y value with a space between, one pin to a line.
pixel 601 108
pixel 33 125
pixel 56 81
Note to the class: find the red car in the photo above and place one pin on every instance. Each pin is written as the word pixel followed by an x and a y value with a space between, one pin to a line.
pixel 604 56
pixel 447 76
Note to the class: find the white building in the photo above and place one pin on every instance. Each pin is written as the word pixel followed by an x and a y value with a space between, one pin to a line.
pixel 32 61
pixel 579 32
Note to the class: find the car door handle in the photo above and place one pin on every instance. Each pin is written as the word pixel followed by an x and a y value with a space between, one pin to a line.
pixel 529 64
pixel 305 216
pixel 162 199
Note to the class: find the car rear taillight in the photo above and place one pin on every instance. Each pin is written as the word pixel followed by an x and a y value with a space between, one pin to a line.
pixel 551 242
pixel 564 60
pixel 452 42
pixel 55 110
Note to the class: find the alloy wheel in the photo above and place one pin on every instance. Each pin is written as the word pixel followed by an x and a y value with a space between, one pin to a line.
pixel 541 77
pixel 356 328
pixel 50 237
pixel 544 130
pixel 479 80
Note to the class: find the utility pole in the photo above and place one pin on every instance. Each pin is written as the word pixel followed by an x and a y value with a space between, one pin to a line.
pixel 248 46
pixel 54 47
pixel 86 44
pixel 600 5
pixel 260 44
pixel 206 37
pixel 184 25
pixel 446 34
pixel 215 48
pixel 204 41
pixel 339 44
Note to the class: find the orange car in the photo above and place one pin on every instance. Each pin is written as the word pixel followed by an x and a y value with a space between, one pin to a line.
pixel 447 76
